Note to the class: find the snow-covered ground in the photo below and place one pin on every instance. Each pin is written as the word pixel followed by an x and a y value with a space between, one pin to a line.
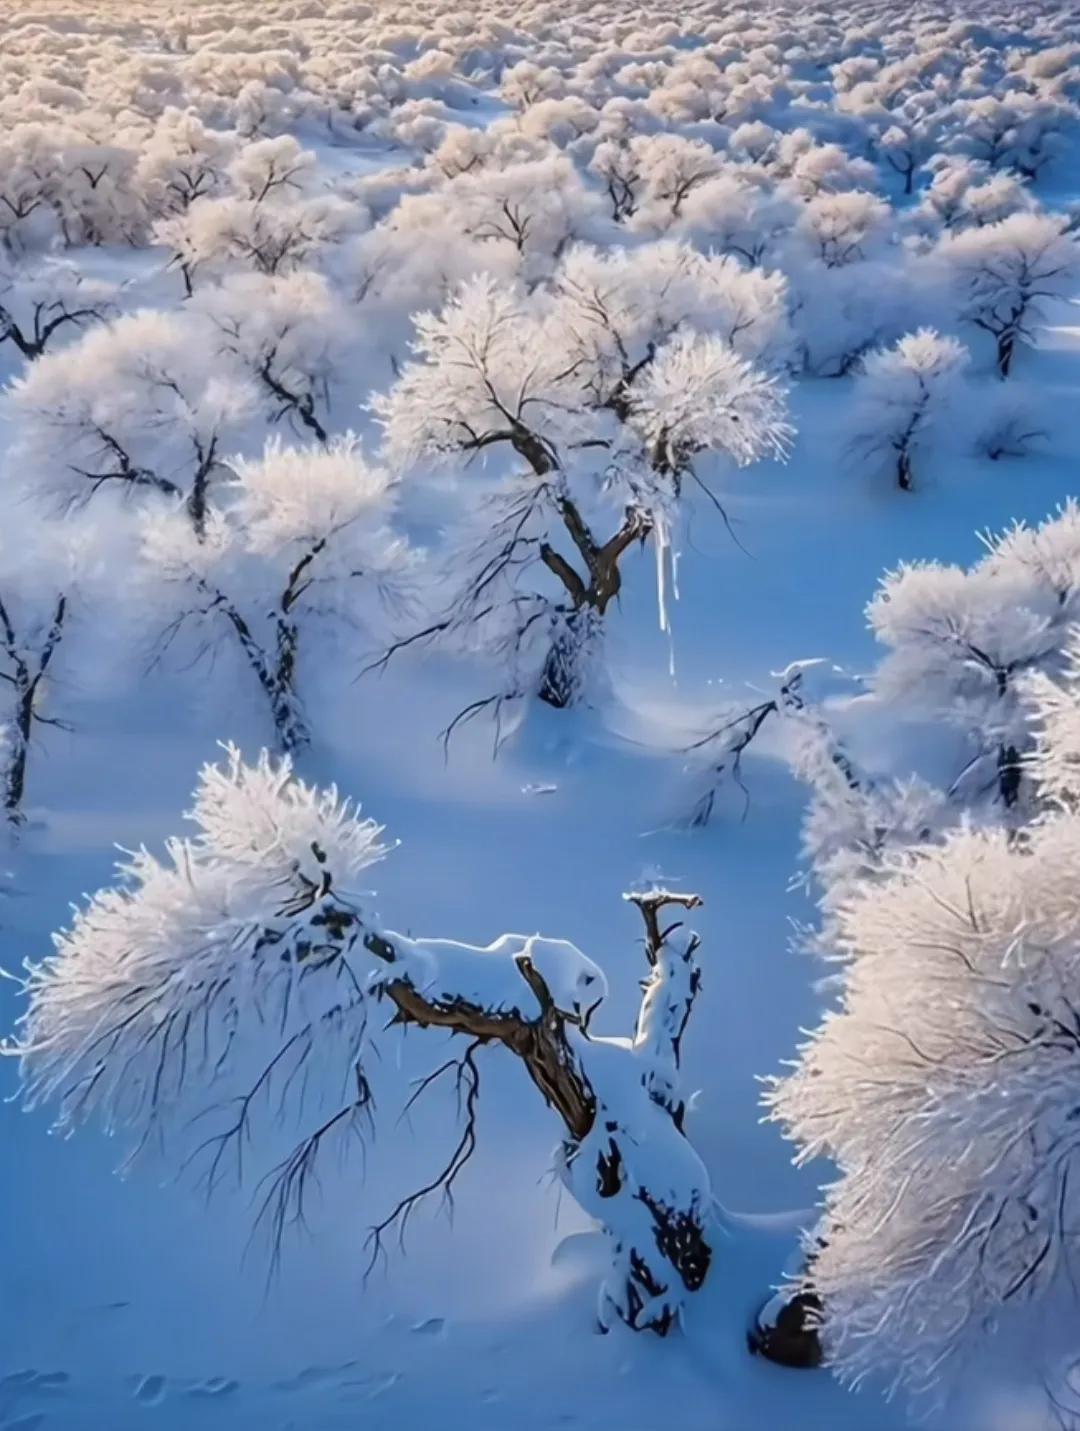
pixel 139 1302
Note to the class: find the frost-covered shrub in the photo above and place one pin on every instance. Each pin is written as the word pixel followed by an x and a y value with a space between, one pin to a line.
pixel 137 407
pixel 942 1088
pixel 182 161
pixel 1015 421
pixel 840 313
pixel 266 237
pixel 297 540
pixel 960 646
pixel 288 333
pixel 1004 275
pixel 843 228
pixel 44 302
pixel 903 397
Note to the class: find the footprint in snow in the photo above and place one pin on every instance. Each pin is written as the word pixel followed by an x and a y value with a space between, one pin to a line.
pixel 150 1390
pixel 431 1327
pixel 31 1380
pixel 316 1376
pixel 215 1386
pixel 387 1384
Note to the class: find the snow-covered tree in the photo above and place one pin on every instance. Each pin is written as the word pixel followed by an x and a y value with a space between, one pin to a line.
pixel 964 193
pixel 271 167
pixel 1015 421
pixel 816 169
pixel 618 167
pixel 40 301
pixel 137 406
pixel 942 1089
pixel 1006 273
pixel 525 83
pixel 1019 131
pixel 671 167
pixel 183 160
pixel 35 610
pixel 532 209
pixel 95 194
pixel 943 201
pixel 275 235
pixel 619 305
pixel 164 988
pixel 288 333
pixel 995 199
pixel 840 313
pixel 726 215
pixel 29 162
pixel 942 723
pixel 903 395
pixel 401 267
pixel 754 142
pixel 904 147
pixel 715 758
pixel 600 409
pixel 842 228
pixel 297 540
pixel 961 642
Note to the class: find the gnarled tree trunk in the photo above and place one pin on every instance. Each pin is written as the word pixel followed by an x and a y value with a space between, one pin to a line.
pixel 625 1159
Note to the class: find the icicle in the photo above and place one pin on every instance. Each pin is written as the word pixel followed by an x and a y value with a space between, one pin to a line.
pixel 664 554
pixel 661 541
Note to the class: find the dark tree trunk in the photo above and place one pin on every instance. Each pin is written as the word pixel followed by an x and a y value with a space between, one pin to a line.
pixel 561 681
pixel 1010 775
pixel 197 498
pixel 273 675
pixel 903 470
pixel 792 1337
pixel 290 727
pixel 26 679
pixel 15 775
pixel 1006 347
